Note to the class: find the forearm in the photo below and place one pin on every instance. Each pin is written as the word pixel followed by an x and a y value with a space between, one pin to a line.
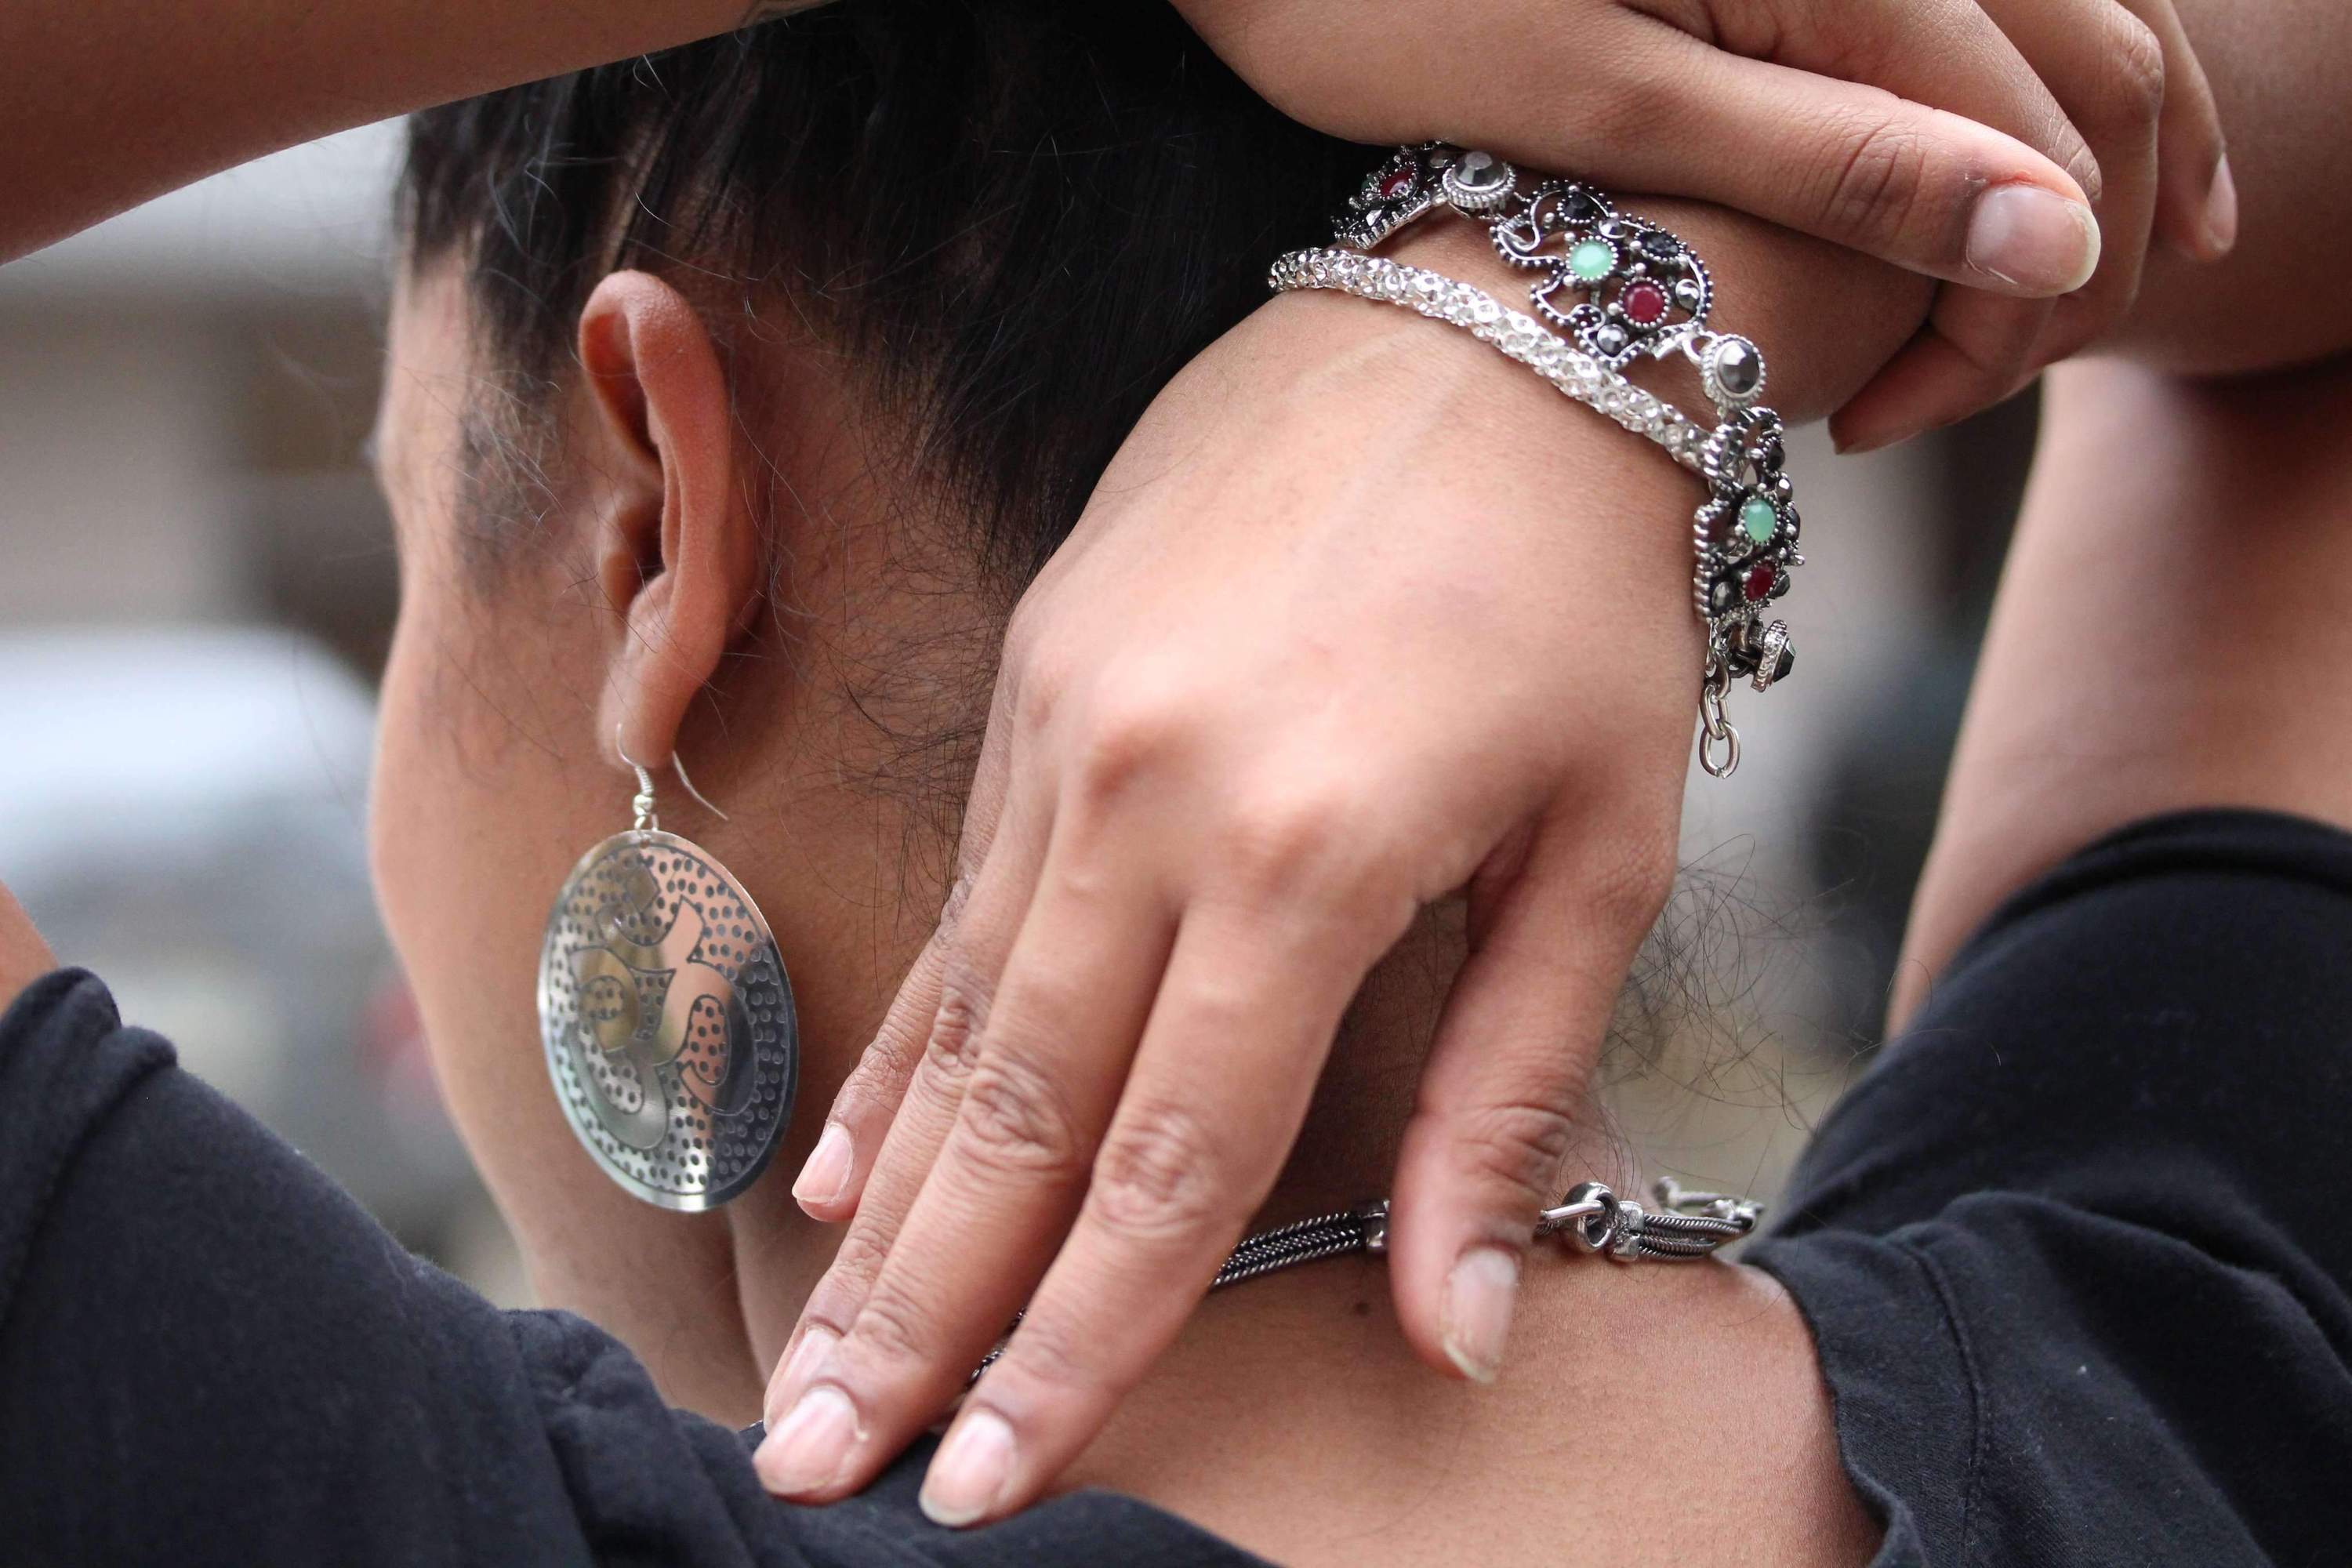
pixel 105 103
pixel 2167 634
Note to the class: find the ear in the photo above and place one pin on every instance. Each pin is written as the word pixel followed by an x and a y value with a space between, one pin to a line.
pixel 677 548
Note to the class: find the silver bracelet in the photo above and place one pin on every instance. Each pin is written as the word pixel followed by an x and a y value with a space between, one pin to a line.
pixel 1517 335
pixel 1621 288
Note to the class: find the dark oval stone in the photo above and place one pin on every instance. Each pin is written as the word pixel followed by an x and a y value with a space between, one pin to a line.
pixel 1580 207
pixel 1737 368
pixel 1659 245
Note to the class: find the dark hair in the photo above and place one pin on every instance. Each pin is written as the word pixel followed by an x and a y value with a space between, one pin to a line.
pixel 1020 217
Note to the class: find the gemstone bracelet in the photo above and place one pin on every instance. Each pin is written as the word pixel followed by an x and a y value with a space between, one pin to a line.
pixel 1621 288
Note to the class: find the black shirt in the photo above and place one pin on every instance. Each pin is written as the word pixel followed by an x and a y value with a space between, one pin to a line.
pixel 2075 1254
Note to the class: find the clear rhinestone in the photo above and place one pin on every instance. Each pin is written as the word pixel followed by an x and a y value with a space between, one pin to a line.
pixel 1479 170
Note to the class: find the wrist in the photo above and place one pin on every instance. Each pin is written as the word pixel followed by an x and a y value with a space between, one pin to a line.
pixel 1616 288
pixel 1577 502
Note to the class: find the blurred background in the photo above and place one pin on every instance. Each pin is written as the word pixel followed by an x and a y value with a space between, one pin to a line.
pixel 196 589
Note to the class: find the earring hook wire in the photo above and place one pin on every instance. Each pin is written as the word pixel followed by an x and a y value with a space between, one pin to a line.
pixel 645 780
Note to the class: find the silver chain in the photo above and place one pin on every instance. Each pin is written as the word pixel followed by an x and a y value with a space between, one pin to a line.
pixel 1715 731
pixel 1685 1227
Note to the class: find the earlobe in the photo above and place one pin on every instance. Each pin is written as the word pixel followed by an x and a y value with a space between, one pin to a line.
pixel 677 548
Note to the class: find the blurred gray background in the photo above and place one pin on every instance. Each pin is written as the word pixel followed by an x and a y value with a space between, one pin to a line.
pixel 196 588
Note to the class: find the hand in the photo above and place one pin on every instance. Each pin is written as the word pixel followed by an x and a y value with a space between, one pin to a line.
pixel 1875 124
pixel 1290 681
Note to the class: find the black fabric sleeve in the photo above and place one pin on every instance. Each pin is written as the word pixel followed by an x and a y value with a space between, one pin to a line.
pixel 2075 1252
pixel 209 1354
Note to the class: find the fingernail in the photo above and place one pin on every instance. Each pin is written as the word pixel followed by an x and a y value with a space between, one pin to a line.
pixel 817 1343
pixel 1475 1317
pixel 969 1473
pixel 2221 208
pixel 809 1449
pixel 826 1175
pixel 2033 240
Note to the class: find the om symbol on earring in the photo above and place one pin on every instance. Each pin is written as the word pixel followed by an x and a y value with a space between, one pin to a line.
pixel 666 1015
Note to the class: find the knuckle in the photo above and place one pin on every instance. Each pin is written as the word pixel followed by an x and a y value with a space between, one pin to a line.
pixel 891 1329
pixel 1158 1175
pixel 857 1264
pixel 1134 724
pixel 1520 1144
pixel 954 1036
pixel 1875 191
pixel 1047 1349
pixel 1038 672
pixel 888 1060
pixel 1279 838
pixel 1016 1119
pixel 2134 87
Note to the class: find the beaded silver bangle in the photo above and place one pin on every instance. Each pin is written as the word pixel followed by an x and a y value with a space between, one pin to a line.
pixel 1519 336
pixel 1621 288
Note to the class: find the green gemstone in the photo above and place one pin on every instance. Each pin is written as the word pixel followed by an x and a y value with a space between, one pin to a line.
pixel 1592 260
pixel 1760 517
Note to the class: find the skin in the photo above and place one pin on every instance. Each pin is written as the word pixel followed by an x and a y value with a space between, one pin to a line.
pixel 2242 482
pixel 1883 129
pixel 647 604
pixel 1054 1149
pixel 1569 829
pixel 1830 117
pixel 667 628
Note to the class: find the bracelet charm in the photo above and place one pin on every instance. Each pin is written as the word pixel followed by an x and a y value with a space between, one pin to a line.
pixel 1621 288
pixel 1642 289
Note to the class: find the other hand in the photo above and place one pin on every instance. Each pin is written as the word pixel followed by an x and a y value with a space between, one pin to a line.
pixel 2020 150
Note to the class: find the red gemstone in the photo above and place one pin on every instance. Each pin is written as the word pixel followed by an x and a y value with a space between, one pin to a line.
pixel 1760 578
pixel 1397 184
pixel 1646 304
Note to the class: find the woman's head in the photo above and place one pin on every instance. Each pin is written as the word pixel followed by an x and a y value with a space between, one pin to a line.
pixel 736 393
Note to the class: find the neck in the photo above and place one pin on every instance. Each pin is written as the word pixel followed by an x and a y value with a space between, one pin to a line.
pixel 1346 1152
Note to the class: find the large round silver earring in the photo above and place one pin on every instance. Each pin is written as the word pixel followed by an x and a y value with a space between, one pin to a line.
pixel 666 1015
